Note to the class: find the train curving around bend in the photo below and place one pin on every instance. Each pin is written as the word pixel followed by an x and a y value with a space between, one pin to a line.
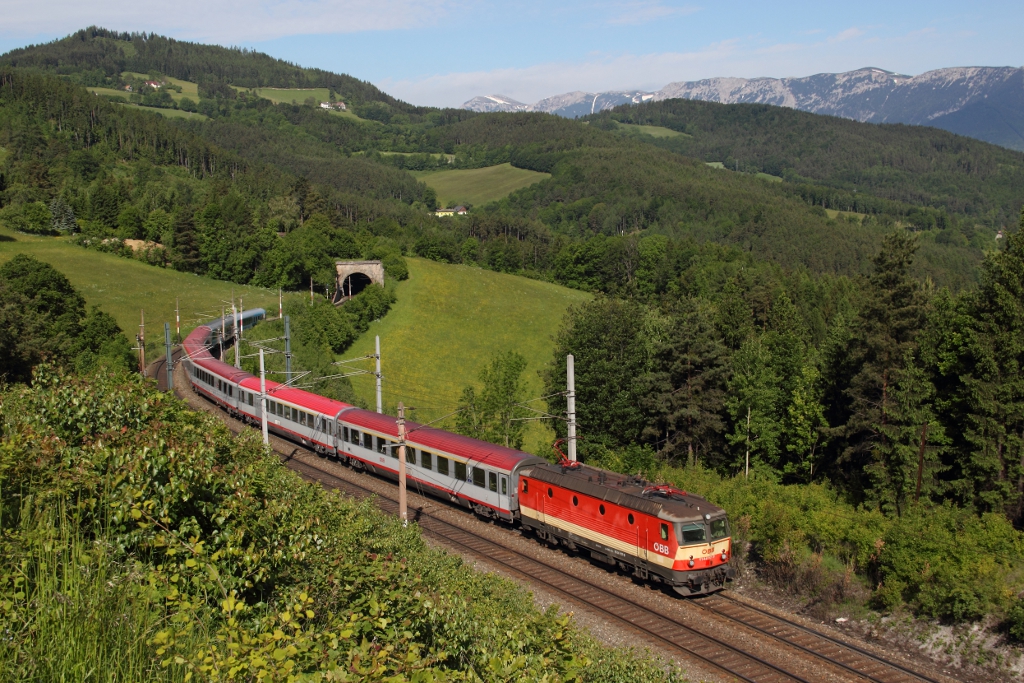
pixel 657 533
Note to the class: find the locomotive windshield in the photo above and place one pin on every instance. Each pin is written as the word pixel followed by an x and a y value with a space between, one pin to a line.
pixel 719 528
pixel 691 533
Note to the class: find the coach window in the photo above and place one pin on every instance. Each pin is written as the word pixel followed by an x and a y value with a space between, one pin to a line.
pixel 492 481
pixel 460 470
pixel 280 410
pixel 479 477
pixel 410 455
pixel 344 433
pixel 504 485
pixel 425 460
pixel 367 441
pixel 630 518
pixel 664 532
pixel 442 465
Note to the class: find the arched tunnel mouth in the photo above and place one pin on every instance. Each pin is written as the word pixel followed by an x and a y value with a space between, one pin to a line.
pixel 355 283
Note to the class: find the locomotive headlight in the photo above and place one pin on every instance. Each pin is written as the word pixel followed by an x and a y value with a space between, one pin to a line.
pixel 690 563
pixel 723 556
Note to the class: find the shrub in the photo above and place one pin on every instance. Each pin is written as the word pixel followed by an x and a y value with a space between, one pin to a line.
pixel 395 267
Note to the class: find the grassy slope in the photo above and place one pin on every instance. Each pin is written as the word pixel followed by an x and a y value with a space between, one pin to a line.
pixel 448 322
pixel 653 131
pixel 121 286
pixel 479 185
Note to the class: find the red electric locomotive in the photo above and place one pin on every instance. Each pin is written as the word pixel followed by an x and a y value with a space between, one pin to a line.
pixel 656 532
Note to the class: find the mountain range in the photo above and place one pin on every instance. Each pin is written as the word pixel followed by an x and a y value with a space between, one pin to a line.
pixel 986 103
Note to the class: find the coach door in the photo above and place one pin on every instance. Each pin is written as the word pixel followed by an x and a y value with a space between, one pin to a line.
pixel 503 492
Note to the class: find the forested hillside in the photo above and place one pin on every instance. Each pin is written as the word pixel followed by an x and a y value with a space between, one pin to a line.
pixel 98 57
pixel 905 164
pixel 573 228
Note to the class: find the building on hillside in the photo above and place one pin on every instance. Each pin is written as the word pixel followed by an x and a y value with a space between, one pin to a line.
pixel 128 87
pixel 336 106
pixel 457 211
pixel 154 84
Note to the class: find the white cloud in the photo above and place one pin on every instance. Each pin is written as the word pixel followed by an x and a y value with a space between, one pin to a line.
pixel 226 21
pixel 848 34
pixel 646 11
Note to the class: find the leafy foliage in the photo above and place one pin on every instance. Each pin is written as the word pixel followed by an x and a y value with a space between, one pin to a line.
pixel 42 317
pixel 212 561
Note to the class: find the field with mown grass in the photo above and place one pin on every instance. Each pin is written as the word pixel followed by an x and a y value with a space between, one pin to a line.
pixel 122 286
pixel 653 131
pixel 478 186
pixel 447 324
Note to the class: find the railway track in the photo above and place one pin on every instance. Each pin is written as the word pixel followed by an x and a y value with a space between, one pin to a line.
pixel 691 643
pixel 849 661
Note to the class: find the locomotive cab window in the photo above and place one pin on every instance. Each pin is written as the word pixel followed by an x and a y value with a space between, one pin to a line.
pixel 664 532
pixel 526 486
pixel 442 465
pixel 478 477
pixel 692 533
pixel 719 528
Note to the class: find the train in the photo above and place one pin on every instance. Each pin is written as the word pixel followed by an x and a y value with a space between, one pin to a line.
pixel 655 532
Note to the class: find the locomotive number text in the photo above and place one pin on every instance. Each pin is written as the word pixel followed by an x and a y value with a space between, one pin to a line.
pixel 661 548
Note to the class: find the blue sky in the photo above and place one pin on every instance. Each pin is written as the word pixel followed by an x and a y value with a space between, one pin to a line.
pixel 442 52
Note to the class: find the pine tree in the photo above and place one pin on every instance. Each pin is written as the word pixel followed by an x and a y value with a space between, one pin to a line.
pixel 685 397
pixel 909 442
pixel 886 329
pixel 186 255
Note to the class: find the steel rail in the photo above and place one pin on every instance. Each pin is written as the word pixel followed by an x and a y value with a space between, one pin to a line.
pixel 902 672
pixel 646 621
pixel 722 656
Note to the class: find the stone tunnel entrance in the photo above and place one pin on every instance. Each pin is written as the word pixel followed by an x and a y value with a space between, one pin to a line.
pixel 355 276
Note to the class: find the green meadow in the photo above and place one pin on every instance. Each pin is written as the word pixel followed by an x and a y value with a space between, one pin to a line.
pixel 653 131
pixel 447 324
pixel 123 287
pixel 478 186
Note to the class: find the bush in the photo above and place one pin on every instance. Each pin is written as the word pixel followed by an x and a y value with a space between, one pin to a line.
pixel 206 559
pixel 395 267
pixel 1014 623
pixel 948 563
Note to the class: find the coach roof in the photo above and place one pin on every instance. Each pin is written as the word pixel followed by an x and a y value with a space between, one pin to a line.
pixel 419 435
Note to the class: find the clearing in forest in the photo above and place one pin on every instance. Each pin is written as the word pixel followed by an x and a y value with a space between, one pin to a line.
pixel 653 131
pixel 447 324
pixel 477 186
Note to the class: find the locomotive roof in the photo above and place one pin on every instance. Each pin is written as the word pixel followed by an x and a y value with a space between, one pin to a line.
pixel 627 491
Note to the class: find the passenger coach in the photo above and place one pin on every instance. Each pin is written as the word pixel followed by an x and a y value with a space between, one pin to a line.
pixel 654 532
